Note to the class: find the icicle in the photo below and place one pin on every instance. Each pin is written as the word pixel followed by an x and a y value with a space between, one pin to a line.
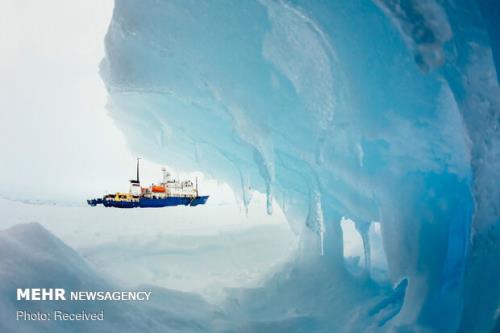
pixel 269 200
pixel 246 191
pixel 321 223
pixel 263 159
pixel 366 245
pixel 268 175
pixel 363 229
pixel 247 196
pixel 315 220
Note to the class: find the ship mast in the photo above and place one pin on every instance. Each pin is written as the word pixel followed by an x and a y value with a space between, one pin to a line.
pixel 196 186
pixel 138 158
pixel 135 186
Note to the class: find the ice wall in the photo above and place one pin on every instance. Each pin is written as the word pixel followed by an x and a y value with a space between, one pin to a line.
pixel 379 110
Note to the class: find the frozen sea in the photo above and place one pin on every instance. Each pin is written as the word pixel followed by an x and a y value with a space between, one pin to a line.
pixel 194 249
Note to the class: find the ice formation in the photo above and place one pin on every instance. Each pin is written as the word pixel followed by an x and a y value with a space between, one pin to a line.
pixel 383 110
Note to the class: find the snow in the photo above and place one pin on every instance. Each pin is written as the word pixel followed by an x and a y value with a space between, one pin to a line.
pixel 37 258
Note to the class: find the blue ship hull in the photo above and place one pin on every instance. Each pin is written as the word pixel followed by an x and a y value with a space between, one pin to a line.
pixel 172 201
pixel 151 203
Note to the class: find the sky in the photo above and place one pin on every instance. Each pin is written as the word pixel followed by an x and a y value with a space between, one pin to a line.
pixel 58 142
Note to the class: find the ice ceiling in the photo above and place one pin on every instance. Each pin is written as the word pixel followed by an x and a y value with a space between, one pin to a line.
pixel 383 110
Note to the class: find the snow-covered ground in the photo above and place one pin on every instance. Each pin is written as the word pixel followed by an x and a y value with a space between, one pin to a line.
pixel 200 249
pixel 32 256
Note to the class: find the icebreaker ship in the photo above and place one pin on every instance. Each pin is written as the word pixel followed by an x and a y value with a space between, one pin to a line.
pixel 170 192
pixel 372 110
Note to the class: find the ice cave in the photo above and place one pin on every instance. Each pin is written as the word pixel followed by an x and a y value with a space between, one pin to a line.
pixel 372 125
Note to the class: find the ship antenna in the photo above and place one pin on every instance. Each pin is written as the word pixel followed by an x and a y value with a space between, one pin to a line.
pixel 138 158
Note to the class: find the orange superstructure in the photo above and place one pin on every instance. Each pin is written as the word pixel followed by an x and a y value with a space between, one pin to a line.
pixel 158 189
